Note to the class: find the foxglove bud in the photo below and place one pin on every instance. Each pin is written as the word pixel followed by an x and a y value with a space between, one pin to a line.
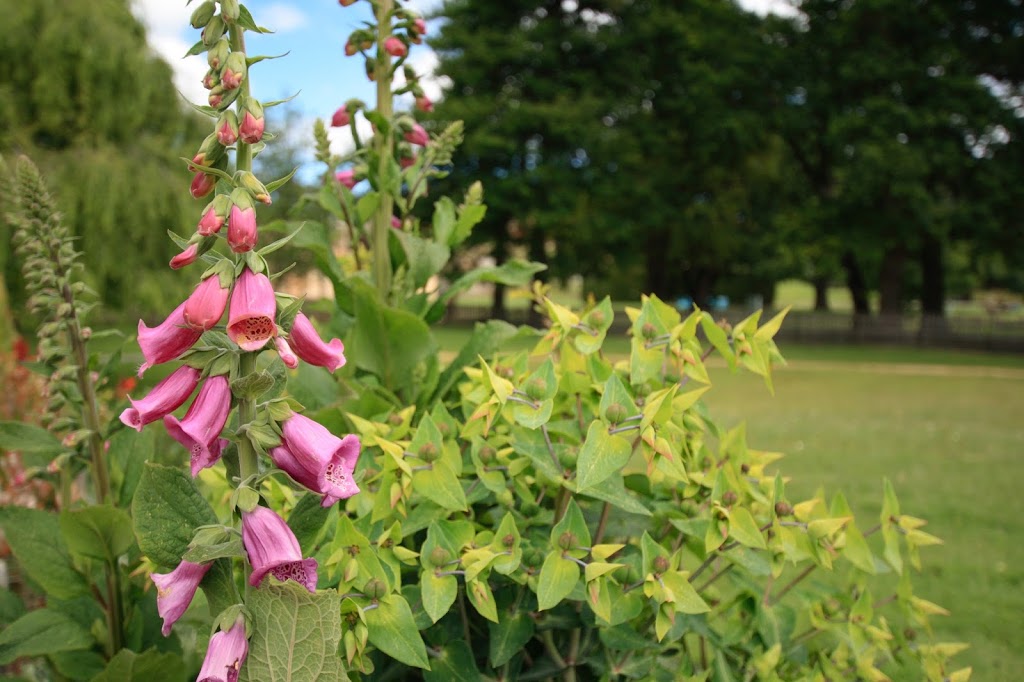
pixel 288 357
pixel 227 128
pixel 419 26
pixel 225 655
pixel 230 10
pixel 202 14
pixel 218 54
pixel 200 430
pixel 234 71
pixel 396 222
pixel 202 184
pixel 252 311
pixel 210 79
pixel 424 104
pixel 346 3
pixel 214 215
pixel 257 189
pixel 371 68
pixel 308 345
pixel 350 48
pixel 405 161
pixel 221 97
pixel 205 307
pixel 250 128
pixel 213 31
pixel 242 233
pixel 340 118
pixel 210 152
pixel 417 135
pixel 346 177
pixel 186 257
pixel 394 46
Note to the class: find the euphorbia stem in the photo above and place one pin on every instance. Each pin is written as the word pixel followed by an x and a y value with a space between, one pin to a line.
pixel 383 146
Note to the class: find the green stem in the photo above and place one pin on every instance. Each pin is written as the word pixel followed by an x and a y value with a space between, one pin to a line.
pixel 243 156
pixel 383 144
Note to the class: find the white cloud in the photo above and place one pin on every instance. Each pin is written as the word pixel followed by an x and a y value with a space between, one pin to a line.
pixel 283 18
pixel 164 21
pixel 781 7
pixel 341 138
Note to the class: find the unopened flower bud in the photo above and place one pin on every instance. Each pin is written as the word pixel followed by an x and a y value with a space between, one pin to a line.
pixel 375 588
pixel 211 79
pixel 371 68
pixel 227 128
pixel 424 104
pixel 406 161
pixel 394 46
pixel 567 540
pixel 648 331
pixel 210 152
pixel 487 454
pixel 536 388
pixel 346 177
pixel 729 498
pixel 660 564
pixel 428 452
pixel 234 71
pixel 218 54
pixel 86 333
pixel 214 215
pixel 256 189
pixel 202 184
pixel 250 129
pixel 213 31
pixel 615 413
pixel 202 14
pixel 417 135
pixel 230 10
pixel 288 357
pixel 350 48
pixel 396 222
pixel 439 556
pixel 242 233
pixel 341 117
pixel 186 257
pixel 783 509
pixel 346 3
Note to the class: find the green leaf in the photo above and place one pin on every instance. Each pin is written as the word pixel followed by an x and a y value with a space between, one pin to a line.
pixel 35 539
pixel 387 342
pixel 482 599
pixel 307 520
pixel 295 636
pixel 558 578
pixel 769 329
pixel 744 529
pixel 166 510
pixel 508 636
pixel 252 386
pixel 454 663
pixel 574 523
pixel 444 220
pixel 587 342
pixel 43 631
pixel 602 455
pixel 29 439
pixel 683 596
pixel 438 593
pixel 202 554
pixel 615 393
pixel 512 273
pixel 716 335
pixel 533 418
pixel 100 532
pixel 150 666
pixel 219 587
pixel 314 387
pixel 393 631
pixel 469 216
pixel 441 485
pixel 79 665
pixel 424 257
pixel 127 456
pixel 857 550
pixel 486 338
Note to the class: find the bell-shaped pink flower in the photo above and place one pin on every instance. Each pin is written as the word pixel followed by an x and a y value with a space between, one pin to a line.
pixel 186 257
pixel 225 655
pixel 200 430
pixel 252 310
pixel 346 177
pixel 205 307
pixel 168 340
pixel 341 117
pixel 213 215
pixel 166 397
pixel 417 135
pixel 318 459
pixel 308 345
pixel 395 47
pixel 273 549
pixel 242 233
pixel 251 128
pixel 174 591
pixel 202 184
pixel 424 104
pixel 288 357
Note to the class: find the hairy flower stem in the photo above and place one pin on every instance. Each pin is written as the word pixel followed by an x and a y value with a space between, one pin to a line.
pixel 383 144
pixel 243 157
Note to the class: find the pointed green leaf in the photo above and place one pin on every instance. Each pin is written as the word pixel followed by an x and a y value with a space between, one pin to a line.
pixel 166 511
pixel 558 578
pixel 440 484
pixel 393 631
pixel 602 455
pixel 438 593
pixel 150 666
pixel 454 663
pixel 744 530
pixel 100 532
pixel 508 636
pixel 43 631
pixel 35 539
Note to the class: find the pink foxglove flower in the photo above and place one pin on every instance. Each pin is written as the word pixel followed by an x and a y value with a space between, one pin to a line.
pixel 424 104
pixel 174 591
pixel 205 307
pixel 252 310
pixel 346 177
pixel 213 215
pixel 395 47
pixel 227 128
pixel 288 357
pixel 272 548
pixel 234 71
pixel 318 459
pixel 200 430
pixel 420 26
pixel 202 184
pixel 417 135
pixel 225 655
pixel 166 341
pixel 186 257
pixel 308 345
pixel 242 233
pixel 166 397
pixel 341 117
pixel 251 127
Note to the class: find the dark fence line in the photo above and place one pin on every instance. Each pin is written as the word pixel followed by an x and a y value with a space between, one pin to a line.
pixel 929 331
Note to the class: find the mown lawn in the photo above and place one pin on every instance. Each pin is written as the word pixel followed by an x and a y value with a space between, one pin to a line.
pixel 944 426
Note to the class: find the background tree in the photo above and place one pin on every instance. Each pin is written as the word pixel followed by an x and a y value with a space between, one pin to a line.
pixel 98 112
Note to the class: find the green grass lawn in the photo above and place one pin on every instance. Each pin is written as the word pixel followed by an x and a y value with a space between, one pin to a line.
pixel 952 446
pixel 944 426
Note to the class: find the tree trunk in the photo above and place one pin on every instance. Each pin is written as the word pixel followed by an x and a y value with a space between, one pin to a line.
pixel 656 279
pixel 856 283
pixel 933 290
pixel 820 294
pixel 538 254
pixel 891 280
